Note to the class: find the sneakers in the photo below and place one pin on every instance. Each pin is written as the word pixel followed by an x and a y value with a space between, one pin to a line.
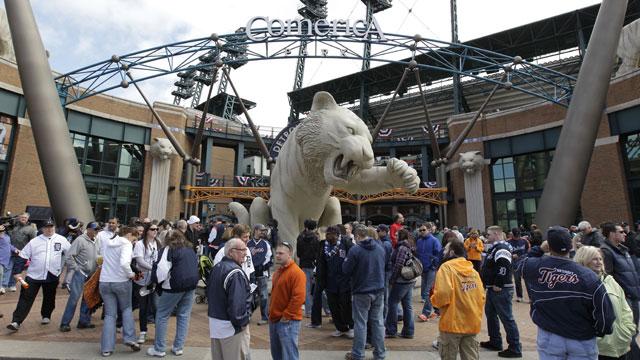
pixel 2 291
pixel 107 353
pixel 435 344
pixel 423 301
pixel 263 322
pixel 14 326
pixel 519 299
pixel 509 354
pixel 177 352
pixel 406 336
pixel 337 333
pixel 65 328
pixel 86 326
pixel 350 334
pixel 153 352
pixel 142 338
pixel 390 336
pixel 489 346
pixel 133 345
pixel 12 288
pixel 45 321
pixel 313 326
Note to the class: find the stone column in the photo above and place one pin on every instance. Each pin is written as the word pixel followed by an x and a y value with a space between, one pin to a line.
pixel 471 164
pixel 161 152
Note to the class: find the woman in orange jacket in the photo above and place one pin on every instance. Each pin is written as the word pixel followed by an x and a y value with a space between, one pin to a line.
pixel 474 247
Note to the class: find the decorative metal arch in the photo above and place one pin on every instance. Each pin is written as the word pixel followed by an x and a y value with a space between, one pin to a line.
pixel 440 56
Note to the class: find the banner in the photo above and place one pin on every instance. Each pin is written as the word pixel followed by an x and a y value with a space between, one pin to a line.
pixel 280 139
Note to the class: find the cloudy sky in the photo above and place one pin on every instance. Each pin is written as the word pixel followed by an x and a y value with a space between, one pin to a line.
pixel 78 33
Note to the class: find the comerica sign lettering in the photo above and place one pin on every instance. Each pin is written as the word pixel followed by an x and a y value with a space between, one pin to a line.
pixel 321 27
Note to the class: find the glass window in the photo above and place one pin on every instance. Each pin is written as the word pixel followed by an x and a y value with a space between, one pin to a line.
pixel 6 127
pixel 632 153
pixel 503 178
pixel 105 164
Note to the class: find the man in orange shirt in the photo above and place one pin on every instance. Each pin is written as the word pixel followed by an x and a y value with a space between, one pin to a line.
pixel 459 295
pixel 288 293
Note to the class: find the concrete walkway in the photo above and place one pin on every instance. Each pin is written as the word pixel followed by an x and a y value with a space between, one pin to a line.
pixel 17 349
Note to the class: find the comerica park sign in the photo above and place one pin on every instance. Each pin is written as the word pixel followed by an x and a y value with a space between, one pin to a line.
pixel 321 27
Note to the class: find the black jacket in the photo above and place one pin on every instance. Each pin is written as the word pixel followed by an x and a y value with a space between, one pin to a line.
pixel 497 267
pixel 329 268
pixel 230 301
pixel 307 248
pixel 618 262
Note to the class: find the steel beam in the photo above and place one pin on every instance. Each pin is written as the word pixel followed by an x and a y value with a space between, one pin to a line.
pixel 65 185
pixel 566 178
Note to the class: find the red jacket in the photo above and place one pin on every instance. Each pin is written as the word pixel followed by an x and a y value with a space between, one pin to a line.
pixel 393 233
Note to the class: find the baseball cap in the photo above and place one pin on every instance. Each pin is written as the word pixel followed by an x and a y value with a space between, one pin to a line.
pixel 93 225
pixel 383 227
pixel 559 239
pixel 259 227
pixel 49 222
pixel 193 220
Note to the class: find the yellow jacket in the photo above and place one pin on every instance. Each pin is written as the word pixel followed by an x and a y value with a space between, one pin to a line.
pixel 474 254
pixel 459 294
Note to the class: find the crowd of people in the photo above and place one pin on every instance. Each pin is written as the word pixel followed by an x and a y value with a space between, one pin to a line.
pixel 582 283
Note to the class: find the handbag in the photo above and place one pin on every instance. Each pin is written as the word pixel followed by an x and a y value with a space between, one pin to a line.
pixel 412 268
pixel 91 291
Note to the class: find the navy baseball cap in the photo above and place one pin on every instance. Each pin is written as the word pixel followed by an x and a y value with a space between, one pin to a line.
pixel 93 225
pixel 559 239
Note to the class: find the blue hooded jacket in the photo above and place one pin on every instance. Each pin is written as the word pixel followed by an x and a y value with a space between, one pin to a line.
pixel 365 263
pixel 429 250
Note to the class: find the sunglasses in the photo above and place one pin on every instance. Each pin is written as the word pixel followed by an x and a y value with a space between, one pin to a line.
pixel 423 230
pixel 153 229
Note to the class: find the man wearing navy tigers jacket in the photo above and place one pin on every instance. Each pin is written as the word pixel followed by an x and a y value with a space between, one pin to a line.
pixel 261 253
pixel 497 279
pixel 570 305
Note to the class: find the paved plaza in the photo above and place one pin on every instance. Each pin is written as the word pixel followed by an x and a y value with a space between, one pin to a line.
pixel 47 342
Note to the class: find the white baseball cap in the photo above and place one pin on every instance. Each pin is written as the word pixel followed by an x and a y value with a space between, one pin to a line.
pixel 193 220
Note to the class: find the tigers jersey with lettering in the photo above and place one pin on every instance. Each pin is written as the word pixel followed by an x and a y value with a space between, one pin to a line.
pixel 496 270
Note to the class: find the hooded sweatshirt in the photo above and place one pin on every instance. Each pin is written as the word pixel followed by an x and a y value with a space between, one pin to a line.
pixel 307 248
pixel 460 296
pixel 365 264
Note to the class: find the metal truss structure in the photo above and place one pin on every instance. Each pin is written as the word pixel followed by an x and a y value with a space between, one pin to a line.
pixel 205 193
pixel 338 42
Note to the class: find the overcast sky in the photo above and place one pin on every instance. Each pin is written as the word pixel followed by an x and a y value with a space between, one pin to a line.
pixel 78 33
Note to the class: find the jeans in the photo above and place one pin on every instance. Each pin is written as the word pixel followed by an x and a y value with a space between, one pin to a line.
pixel 263 292
pixel 400 293
pixel 555 347
pixel 368 308
pixel 2 272
pixel 517 280
pixel 76 288
pixel 167 302
pixel 116 295
pixel 284 340
pixel 7 279
pixel 308 302
pixel 387 278
pixel 340 305
pixel 428 277
pixel 498 306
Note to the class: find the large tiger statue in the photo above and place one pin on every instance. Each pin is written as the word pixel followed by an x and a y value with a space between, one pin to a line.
pixel 330 148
